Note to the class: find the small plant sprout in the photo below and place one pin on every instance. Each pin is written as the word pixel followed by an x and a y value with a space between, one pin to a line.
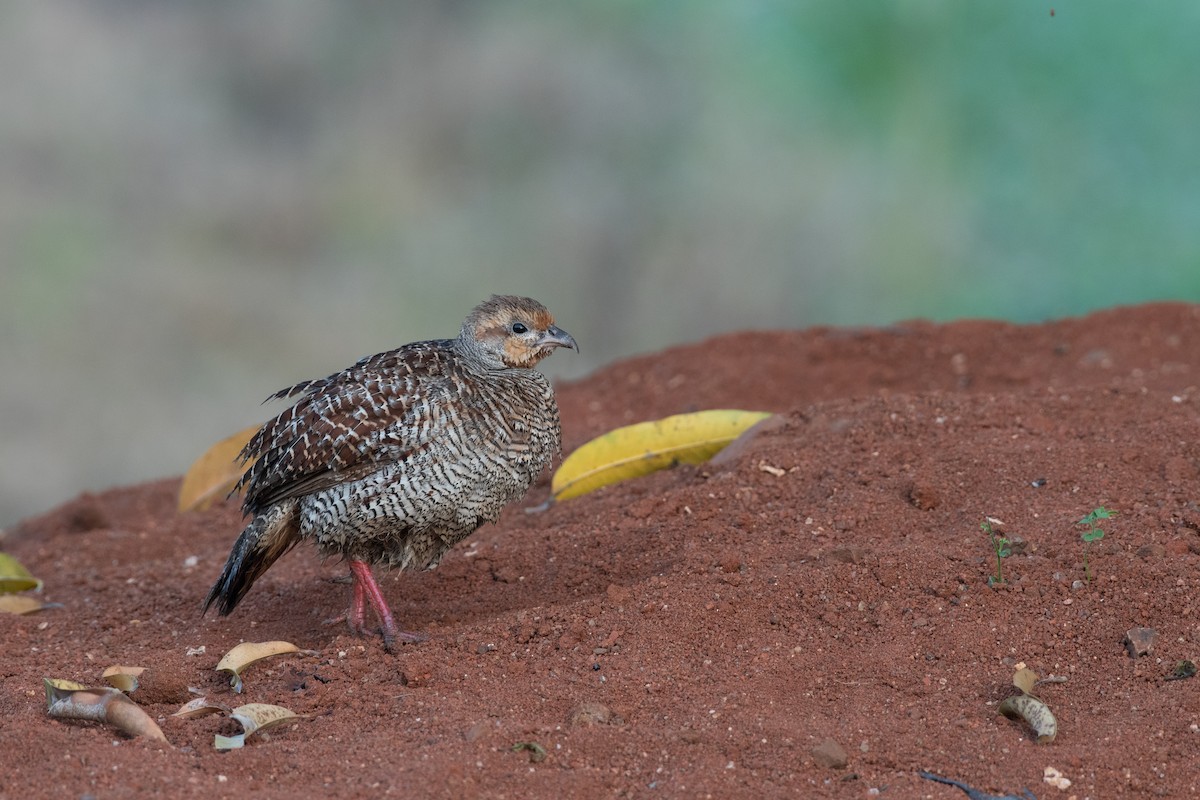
pixel 992 527
pixel 1092 534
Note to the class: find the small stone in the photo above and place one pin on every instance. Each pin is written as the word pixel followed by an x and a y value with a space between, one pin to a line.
pixel 1056 779
pixel 475 731
pixel 731 562
pixel 1178 547
pixel 924 496
pixel 1178 470
pixel 847 555
pixel 1140 641
pixel 830 754
pixel 589 713
pixel 618 594
pixel 1151 551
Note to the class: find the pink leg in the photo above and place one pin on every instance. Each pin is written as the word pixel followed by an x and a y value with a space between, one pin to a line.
pixel 358 607
pixel 365 588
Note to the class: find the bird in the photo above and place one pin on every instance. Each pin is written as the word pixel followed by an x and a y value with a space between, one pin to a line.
pixel 396 459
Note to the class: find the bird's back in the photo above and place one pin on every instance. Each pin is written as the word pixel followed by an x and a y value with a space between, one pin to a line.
pixel 398 457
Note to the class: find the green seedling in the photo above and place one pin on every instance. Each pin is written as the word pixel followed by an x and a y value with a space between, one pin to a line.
pixel 991 527
pixel 1092 534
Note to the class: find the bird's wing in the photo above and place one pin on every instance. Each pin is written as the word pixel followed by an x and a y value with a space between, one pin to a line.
pixel 348 425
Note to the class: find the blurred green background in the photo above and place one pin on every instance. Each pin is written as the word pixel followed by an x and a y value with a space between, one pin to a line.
pixel 201 202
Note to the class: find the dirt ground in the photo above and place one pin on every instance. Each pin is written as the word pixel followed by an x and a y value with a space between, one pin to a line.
pixel 807 616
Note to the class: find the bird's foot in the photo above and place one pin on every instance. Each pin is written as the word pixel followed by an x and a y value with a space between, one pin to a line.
pixel 393 638
pixel 367 590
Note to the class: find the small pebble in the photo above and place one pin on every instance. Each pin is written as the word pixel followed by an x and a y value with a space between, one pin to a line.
pixel 1140 641
pixel 830 754
pixel 589 713
pixel 1151 551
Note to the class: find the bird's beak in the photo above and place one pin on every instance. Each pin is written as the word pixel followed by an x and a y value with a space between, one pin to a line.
pixel 557 337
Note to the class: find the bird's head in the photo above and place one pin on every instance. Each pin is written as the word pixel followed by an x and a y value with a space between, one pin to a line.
pixel 512 332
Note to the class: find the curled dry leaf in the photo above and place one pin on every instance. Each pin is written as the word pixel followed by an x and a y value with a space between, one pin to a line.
pixel 123 678
pixel 70 700
pixel 636 450
pixel 23 604
pixel 214 474
pixel 14 577
pixel 246 654
pixel 253 717
pixel 1034 712
pixel 201 706
pixel 1029 708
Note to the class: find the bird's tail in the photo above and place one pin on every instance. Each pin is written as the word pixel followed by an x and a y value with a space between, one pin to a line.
pixel 268 536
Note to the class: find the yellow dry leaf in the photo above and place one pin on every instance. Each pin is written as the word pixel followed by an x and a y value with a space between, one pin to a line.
pixel 214 474
pixel 23 604
pixel 646 447
pixel 14 577
pixel 1025 679
pixel 246 654
pixel 123 678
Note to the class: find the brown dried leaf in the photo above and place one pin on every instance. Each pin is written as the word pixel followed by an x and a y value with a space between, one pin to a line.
pixel 201 706
pixel 214 474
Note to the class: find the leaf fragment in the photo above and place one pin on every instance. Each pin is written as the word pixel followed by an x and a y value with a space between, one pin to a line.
pixel 23 604
pixel 636 450
pixel 1183 669
pixel 69 700
pixel 246 654
pixel 537 753
pixel 1034 712
pixel 214 474
pixel 123 678
pixel 14 577
pixel 200 706
pixel 254 718
pixel 1025 679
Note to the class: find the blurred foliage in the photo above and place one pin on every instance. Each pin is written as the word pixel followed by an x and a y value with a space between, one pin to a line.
pixel 201 202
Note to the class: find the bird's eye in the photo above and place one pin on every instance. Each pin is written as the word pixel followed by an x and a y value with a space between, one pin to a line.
pixel 519 327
